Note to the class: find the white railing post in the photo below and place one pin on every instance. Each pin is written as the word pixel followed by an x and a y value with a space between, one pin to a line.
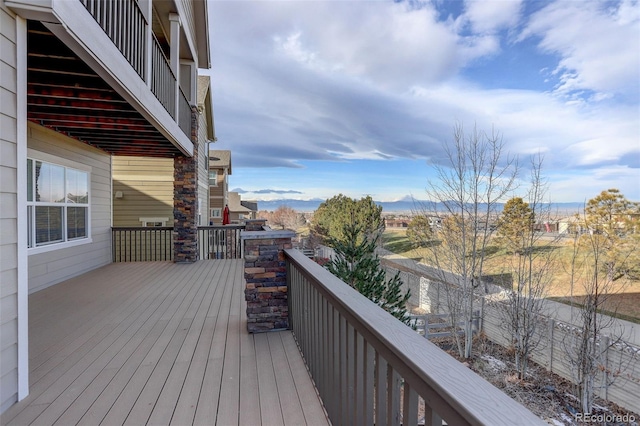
pixel 174 60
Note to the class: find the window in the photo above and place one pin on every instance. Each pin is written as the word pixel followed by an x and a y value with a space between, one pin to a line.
pixel 57 203
pixel 213 178
pixel 151 222
pixel 216 212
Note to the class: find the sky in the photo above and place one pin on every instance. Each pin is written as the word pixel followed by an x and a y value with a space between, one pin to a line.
pixel 318 98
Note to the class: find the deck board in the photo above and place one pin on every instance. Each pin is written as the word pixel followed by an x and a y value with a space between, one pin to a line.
pixel 289 403
pixel 159 343
pixel 269 409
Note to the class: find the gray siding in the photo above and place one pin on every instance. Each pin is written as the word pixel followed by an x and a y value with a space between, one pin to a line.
pixel 203 168
pixel 8 213
pixel 46 269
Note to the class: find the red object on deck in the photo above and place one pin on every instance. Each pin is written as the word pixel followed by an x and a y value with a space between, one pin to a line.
pixel 225 216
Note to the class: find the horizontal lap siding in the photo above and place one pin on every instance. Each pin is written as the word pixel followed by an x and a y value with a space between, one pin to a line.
pixel 218 191
pixel 203 169
pixel 147 189
pixel 8 212
pixel 52 267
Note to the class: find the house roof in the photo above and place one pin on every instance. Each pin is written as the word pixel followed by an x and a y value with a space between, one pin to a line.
pixel 205 104
pixel 251 205
pixel 235 204
pixel 220 159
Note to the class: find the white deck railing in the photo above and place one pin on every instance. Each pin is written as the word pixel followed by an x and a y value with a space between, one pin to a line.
pixel 370 368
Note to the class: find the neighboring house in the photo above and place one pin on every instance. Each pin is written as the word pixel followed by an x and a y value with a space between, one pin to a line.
pixel 570 225
pixel 219 171
pixel 78 92
pixel 143 186
pixel 396 223
pixel 237 212
pixel 219 195
pixel 251 205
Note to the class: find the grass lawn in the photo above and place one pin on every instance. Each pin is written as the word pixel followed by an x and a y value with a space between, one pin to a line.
pixel 626 300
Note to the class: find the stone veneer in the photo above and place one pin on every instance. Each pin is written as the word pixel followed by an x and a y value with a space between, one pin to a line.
pixel 185 201
pixel 266 277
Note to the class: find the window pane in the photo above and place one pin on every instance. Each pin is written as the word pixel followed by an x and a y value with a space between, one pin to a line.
pixel 29 180
pixel 49 183
pixel 77 187
pixel 48 224
pixel 76 222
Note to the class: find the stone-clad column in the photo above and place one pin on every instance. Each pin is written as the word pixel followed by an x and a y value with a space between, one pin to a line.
pixel 266 279
pixel 185 201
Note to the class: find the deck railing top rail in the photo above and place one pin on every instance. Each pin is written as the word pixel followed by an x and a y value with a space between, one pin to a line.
pixel 457 394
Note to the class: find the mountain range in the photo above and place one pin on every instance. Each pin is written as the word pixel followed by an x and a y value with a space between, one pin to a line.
pixel 401 206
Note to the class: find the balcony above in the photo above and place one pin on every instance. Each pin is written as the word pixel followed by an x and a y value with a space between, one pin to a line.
pixel 99 73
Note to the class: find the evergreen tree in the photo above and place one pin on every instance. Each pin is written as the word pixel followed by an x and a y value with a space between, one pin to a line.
pixel 613 220
pixel 515 226
pixel 600 265
pixel 357 264
pixel 332 215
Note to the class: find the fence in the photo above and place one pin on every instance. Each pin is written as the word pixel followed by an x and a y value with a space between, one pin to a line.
pixel 620 362
pixel 145 244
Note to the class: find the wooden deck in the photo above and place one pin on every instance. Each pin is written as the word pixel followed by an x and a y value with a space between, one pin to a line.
pixel 159 343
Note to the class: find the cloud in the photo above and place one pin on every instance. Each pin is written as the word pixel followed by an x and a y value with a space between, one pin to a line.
pixel 300 83
pixel 598 45
pixel 491 16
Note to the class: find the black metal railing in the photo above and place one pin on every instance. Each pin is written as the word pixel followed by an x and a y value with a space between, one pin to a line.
pixel 142 244
pixel 124 23
pixel 163 81
pixel 146 244
pixel 220 242
pixel 184 114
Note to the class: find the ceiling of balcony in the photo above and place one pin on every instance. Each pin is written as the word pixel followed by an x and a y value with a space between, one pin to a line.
pixel 66 95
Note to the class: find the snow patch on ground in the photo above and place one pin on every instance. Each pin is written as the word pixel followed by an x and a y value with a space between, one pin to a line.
pixel 494 363
pixel 565 420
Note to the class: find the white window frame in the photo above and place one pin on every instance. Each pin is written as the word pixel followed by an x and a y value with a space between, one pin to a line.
pixel 215 178
pixel 34 156
pixel 216 213
pixel 150 222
